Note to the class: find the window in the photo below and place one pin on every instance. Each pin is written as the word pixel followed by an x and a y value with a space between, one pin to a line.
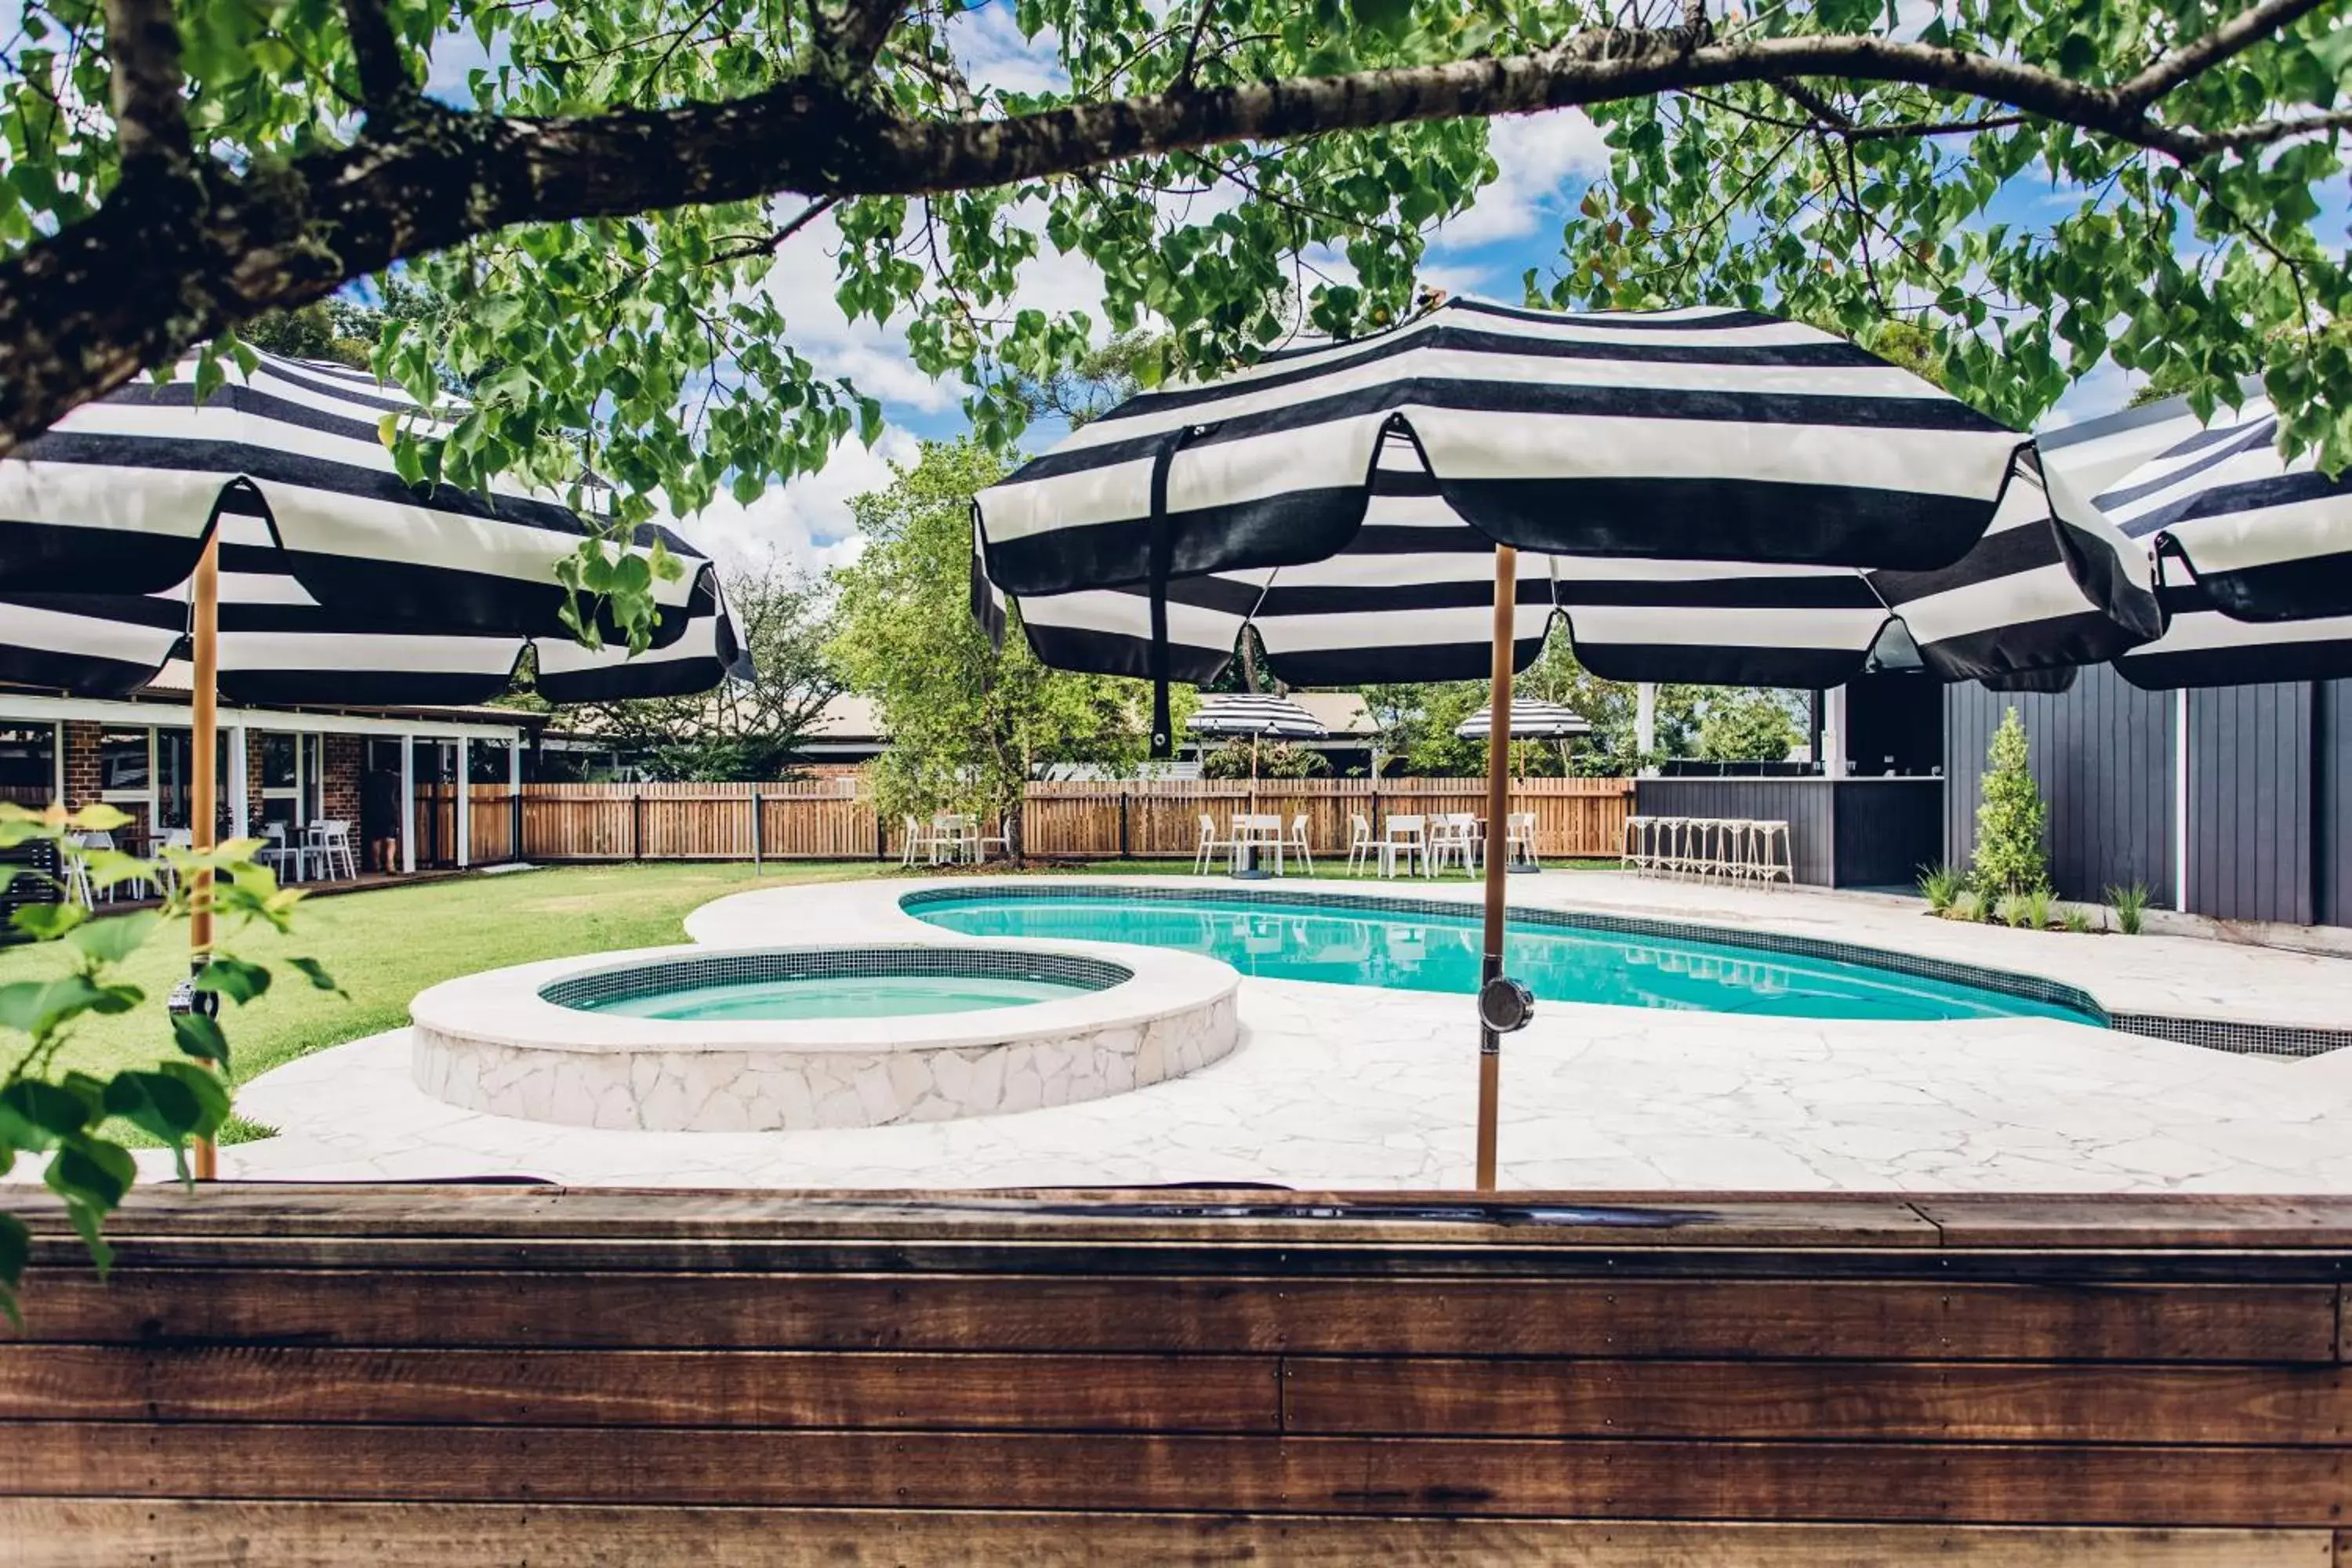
pixel 485 762
pixel 125 763
pixel 28 764
pixel 314 777
pixel 276 762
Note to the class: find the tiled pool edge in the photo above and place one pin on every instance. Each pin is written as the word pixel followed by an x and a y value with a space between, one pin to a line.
pixel 2232 1037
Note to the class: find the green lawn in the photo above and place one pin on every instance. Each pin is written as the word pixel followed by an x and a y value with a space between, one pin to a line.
pixel 387 944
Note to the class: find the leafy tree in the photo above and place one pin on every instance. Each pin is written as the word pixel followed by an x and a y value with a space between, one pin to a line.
pixel 309 331
pixel 1274 760
pixel 969 724
pixel 605 204
pixel 72 1116
pixel 1097 381
pixel 1744 726
pixel 742 731
pixel 1612 708
pixel 2008 857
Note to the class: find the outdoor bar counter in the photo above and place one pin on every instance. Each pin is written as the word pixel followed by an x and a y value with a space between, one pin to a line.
pixel 1843 833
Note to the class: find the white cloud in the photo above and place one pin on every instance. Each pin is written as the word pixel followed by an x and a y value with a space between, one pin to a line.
pixel 802 282
pixel 1535 154
pixel 988 45
pixel 806 521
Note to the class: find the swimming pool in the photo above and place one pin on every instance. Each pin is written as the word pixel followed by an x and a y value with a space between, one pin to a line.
pixel 835 983
pixel 1418 946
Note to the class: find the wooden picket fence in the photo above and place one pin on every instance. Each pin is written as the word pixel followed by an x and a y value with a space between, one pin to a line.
pixel 831 819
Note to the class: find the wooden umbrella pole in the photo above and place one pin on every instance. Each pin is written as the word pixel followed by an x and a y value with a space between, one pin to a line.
pixel 204 725
pixel 1498 805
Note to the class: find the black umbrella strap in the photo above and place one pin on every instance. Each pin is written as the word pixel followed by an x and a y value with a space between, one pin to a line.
pixel 1162 549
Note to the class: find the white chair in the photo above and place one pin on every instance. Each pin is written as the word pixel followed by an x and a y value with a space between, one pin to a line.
pixel 1403 837
pixel 1360 843
pixel 1519 839
pixel 1262 832
pixel 1211 846
pixel 919 841
pixel 330 839
pixel 981 841
pixel 277 854
pixel 78 881
pixel 1451 839
pixel 1298 842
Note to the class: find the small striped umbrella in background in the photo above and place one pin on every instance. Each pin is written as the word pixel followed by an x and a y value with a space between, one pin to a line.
pixel 1256 715
pixel 1531 720
pixel 1713 441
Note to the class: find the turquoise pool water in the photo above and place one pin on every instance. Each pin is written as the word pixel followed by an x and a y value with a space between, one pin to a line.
pixel 840 996
pixel 1311 939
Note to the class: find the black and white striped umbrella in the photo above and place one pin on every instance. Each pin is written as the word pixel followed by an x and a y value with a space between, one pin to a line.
pixel 278 644
pixel 1784 464
pixel 1408 598
pixel 1254 713
pixel 118 496
pixel 1531 720
pixel 2252 555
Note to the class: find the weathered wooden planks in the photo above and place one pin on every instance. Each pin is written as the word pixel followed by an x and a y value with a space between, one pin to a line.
pixel 828 820
pixel 104 1534
pixel 475 1375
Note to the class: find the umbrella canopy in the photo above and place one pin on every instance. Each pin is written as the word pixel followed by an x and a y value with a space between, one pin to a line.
pixel 1254 713
pixel 120 496
pixel 1702 433
pixel 2253 556
pixel 1531 720
pixel 278 644
pixel 2051 584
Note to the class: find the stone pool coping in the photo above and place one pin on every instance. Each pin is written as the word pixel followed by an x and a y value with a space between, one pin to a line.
pixel 494 1043
pixel 504 1007
pixel 2257 1000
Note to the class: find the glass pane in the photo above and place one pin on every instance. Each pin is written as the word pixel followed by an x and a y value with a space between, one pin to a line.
pixel 123 760
pixel 28 764
pixel 276 762
pixel 485 762
pixel 314 777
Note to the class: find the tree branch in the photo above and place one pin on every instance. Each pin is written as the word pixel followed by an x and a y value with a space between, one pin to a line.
pixel 851 33
pixel 384 81
pixel 84 309
pixel 2234 37
pixel 143 54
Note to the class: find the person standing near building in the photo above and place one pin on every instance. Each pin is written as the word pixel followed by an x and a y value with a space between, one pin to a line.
pixel 380 819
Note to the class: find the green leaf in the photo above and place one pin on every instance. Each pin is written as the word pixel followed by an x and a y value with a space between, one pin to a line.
pixel 16 1251
pixel 47 923
pixel 37 1008
pixel 316 972
pixel 1387 17
pixel 176 1102
pixel 200 1037
pixel 233 978
pixel 33 1114
pixel 115 938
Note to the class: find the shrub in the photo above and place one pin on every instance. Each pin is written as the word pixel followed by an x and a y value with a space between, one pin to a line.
pixel 2034 909
pixel 2008 857
pixel 1939 886
pixel 2074 921
pixel 2130 905
pixel 1970 905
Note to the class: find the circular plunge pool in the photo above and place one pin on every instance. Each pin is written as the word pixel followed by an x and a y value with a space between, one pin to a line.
pixel 693 1039
pixel 850 982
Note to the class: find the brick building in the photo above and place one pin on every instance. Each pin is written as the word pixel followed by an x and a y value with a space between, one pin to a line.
pixel 278 770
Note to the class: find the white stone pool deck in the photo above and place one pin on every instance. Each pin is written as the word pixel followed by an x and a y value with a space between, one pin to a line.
pixel 1354 1086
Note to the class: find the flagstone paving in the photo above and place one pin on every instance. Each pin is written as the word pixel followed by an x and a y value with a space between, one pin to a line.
pixel 1354 1086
